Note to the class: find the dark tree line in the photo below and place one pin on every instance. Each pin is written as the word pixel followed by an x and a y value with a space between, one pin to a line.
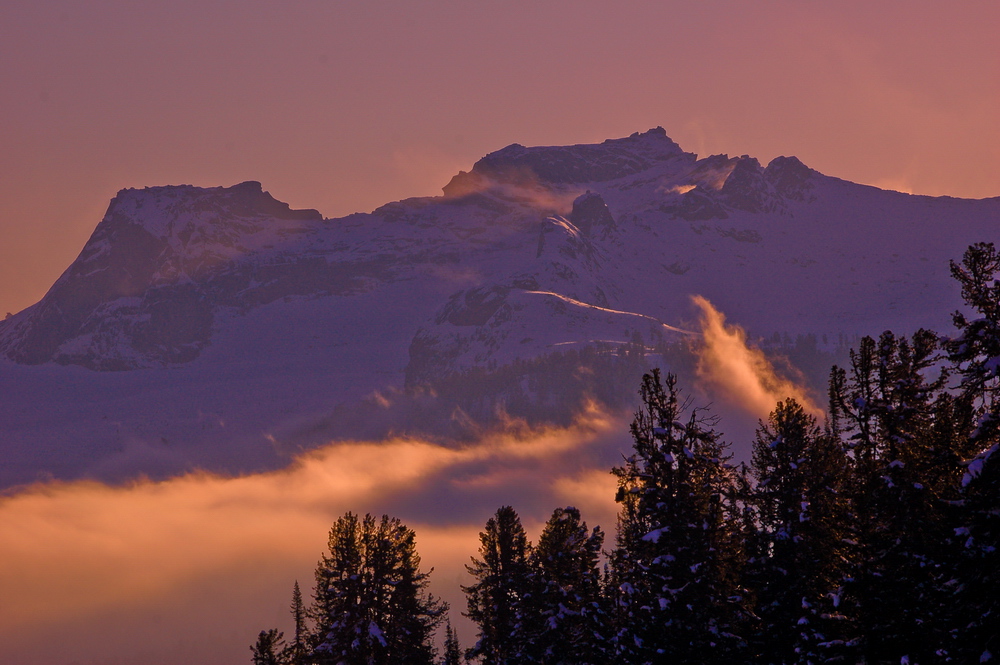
pixel 869 538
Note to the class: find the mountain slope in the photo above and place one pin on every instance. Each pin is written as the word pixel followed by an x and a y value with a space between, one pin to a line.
pixel 190 307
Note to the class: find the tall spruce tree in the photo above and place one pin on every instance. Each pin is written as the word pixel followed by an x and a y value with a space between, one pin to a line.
pixel 562 618
pixel 500 578
pixel 297 651
pixel 978 568
pixel 679 551
pixel 798 550
pixel 371 605
pixel 975 355
pixel 899 424
pixel 975 350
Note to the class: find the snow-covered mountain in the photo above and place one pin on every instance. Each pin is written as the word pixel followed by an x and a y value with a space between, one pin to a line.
pixel 217 327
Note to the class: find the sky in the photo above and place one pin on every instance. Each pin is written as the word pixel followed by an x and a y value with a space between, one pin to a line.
pixel 344 106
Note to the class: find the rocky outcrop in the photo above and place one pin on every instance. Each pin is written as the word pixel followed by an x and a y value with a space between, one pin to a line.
pixel 144 289
pixel 612 159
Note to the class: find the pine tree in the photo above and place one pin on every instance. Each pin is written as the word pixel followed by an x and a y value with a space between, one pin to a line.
pixel 798 551
pixel 267 649
pixel 975 356
pixel 904 452
pixel 297 650
pixel 501 576
pixel 975 351
pixel 452 650
pixel 978 569
pixel 679 554
pixel 370 603
pixel 562 619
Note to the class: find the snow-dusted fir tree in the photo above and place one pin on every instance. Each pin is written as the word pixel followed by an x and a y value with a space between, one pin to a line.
pixel 899 426
pixel 562 618
pixel 975 356
pixel 680 543
pixel 978 569
pixel 500 577
pixel 975 351
pixel 799 548
pixel 371 605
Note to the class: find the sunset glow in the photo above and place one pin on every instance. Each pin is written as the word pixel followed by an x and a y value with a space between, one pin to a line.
pixel 223 372
pixel 148 554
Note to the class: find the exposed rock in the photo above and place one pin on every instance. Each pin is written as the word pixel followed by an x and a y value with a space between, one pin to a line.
pixel 746 189
pixel 790 177
pixel 697 204
pixel 591 215
pixel 615 158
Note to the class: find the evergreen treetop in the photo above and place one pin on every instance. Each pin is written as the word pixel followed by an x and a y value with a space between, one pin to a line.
pixel 371 605
pixel 679 552
pixel 500 576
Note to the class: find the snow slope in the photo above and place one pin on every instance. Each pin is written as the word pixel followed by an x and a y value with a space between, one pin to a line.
pixel 216 327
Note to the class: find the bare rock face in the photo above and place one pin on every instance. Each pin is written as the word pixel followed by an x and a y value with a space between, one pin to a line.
pixel 144 289
pixel 790 177
pixel 591 215
pixel 612 159
pixel 745 188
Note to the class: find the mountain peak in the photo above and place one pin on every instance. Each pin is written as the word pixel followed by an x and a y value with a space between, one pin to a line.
pixel 550 280
pixel 610 160
pixel 789 176
pixel 144 269
pixel 157 208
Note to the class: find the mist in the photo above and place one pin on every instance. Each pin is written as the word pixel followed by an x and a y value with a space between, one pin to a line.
pixel 190 569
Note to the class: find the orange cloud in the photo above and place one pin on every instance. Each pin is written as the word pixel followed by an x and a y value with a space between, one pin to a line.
pixel 593 492
pixel 739 371
pixel 189 569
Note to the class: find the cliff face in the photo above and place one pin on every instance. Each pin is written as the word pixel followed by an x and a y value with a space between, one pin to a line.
pixel 144 290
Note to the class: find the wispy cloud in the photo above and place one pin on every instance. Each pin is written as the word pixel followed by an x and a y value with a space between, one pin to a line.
pixel 188 569
pixel 521 185
pixel 739 371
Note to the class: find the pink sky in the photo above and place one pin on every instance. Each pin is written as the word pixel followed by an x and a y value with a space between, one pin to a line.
pixel 345 106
